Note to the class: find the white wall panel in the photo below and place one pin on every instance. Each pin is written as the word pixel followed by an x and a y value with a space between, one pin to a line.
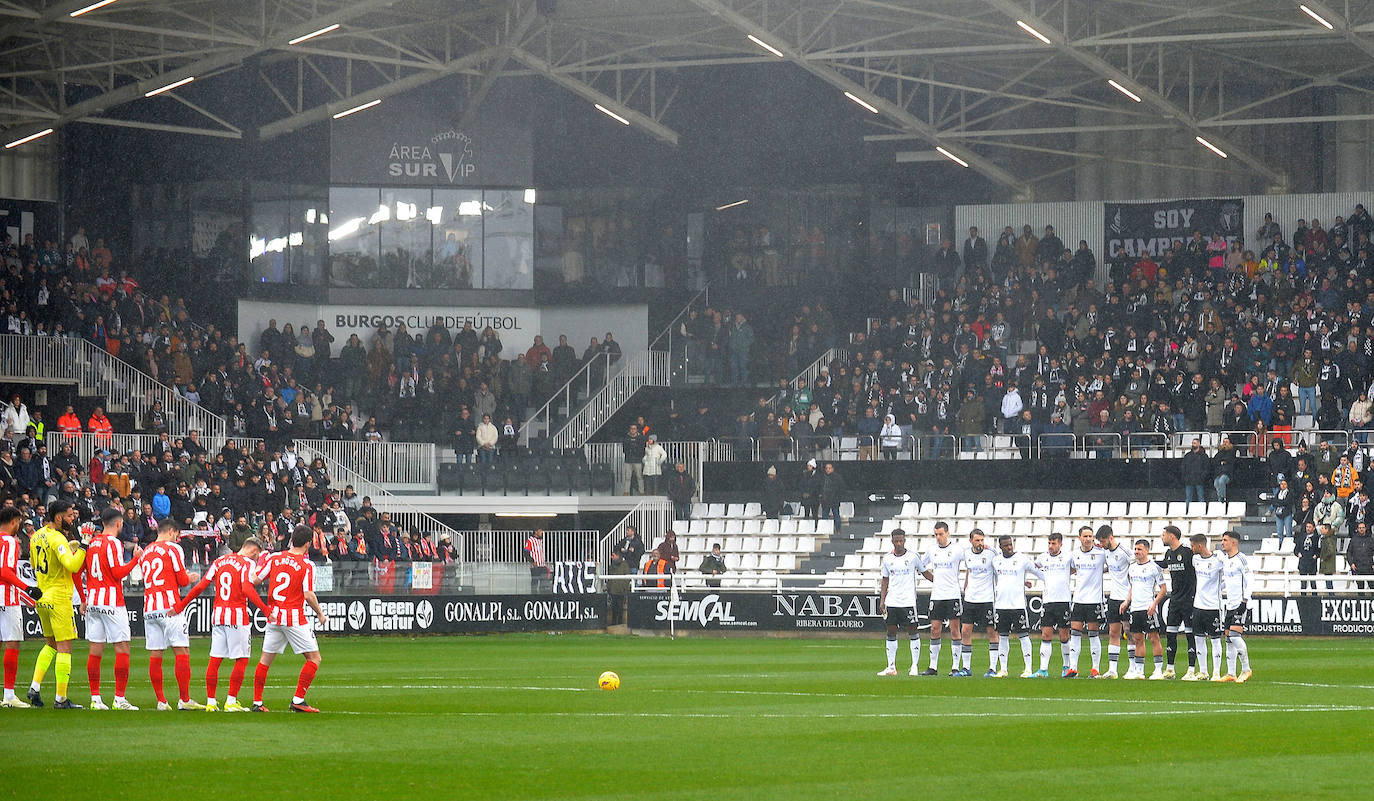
pixel 1072 221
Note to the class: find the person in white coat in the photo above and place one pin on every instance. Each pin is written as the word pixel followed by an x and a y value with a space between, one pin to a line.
pixel 16 418
pixel 654 457
pixel 1011 408
pixel 891 438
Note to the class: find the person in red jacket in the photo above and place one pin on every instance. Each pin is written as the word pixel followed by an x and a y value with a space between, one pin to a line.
pixel 99 425
pixel 69 423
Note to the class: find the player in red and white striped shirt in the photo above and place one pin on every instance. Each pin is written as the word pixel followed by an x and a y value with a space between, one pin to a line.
pixel 107 618
pixel 290 580
pixel 164 574
pixel 230 633
pixel 14 595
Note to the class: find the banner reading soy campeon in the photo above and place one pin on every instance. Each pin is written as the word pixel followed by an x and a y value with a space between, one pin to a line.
pixel 1152 227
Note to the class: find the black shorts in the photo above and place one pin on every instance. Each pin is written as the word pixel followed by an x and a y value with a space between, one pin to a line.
pixel 1142 622
pixel 1055 615
pixel 1180 614
pixel 1206 622
pixel 901 616
pixel 979 615
pixel 1012 620
pixel 1087 613
pixel 1114 612
pixel 946 609
pixel 1237 617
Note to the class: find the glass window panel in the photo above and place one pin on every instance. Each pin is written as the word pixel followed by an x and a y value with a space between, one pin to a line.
pixel 456 216
pixel 353 237
pixel 307 244
pixel 407 253
pixel 268 240
pixel 509 240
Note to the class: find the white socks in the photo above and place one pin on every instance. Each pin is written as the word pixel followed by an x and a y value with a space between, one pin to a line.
pixel 935 654
pixel 915 650
pixel 1113 656
pixel 1046 651
pixel 1026 650
pixel 1239 651
pixel 999 662
pixel 1216 656
pixel 892 653
pixel 1095 648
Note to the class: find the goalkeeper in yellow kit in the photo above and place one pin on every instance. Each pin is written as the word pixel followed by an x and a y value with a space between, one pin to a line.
pixel 55 560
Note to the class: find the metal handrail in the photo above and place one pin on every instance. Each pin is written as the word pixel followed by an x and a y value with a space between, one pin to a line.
pixel 651 517
pixel 126 389
pixel 648 368
pixel 381 462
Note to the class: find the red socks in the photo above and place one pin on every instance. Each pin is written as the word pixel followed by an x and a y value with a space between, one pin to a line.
pixel 236 676
pixel 155 674
pixel 307 676
pixel 212 677
pixel 93 674
pixel 121 674
pixel 259 681
pixel 11 667
pixel 183 674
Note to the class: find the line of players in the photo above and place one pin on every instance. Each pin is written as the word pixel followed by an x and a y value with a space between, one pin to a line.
pixel 90 559
pixel 1208 597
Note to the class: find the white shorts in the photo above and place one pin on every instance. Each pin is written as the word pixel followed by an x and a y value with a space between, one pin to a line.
pixel 11 624
pixel 301 639
pixel 107 624
pixel 163 630
pixel 230 642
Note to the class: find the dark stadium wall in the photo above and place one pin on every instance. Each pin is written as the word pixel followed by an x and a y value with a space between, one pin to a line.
pixel 1003 480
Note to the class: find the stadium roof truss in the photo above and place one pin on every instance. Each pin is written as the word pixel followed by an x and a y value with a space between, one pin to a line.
pixel 1000 85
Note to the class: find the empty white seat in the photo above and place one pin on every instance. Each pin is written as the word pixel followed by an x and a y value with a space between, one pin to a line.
pixel 753 526
pixel 928 509
pixel 732 561
pixel 700 509
pixel 682 526
pixel 1098 509
pixel 753 510
pixel 944 510
pixel 770 526
pixel 1197 509
pixel 851 562
pixel 804 545
pixel 788 526
pixel 825 527
pixel 1042 528
pixel 1060 510
pixel 749 561
pixel 734 526
pixel 697 527
pixel 806 527
pixel 1079 510
pixel 983 509
pixel 1269 545
pixel 964 510
pixel 787 562
pixel 1040 509
pixel 1137 509
pixel 871 561
pixel 1116 509
pixel 734 510
pixel 768 544
pixel 715 510
pixel 1235 509
pixel 749 544
pixel 1020 510
pixel 1216 509
pixel 910 510
pixel 847 510
pixel 782 544
pixel 1157 509
pixel 731 544
pixel 715 527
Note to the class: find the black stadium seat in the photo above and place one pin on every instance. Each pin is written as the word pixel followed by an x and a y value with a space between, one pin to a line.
pixel 603 480
pixel 449 477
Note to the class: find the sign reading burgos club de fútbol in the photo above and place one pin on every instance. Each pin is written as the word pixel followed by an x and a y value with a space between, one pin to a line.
pixel 414 140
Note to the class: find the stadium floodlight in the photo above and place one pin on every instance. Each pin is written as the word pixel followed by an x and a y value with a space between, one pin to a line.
pixel 349 228
pixel 861 101
pixel 1318 17
pixel 1023 25
pixel 1123 90
pixel 382 214
pixel 611 114
pixel 951 156
pixel 90 8
pixel 25 140
pixel 169 87
pixel 732 205
pixel 470 208
pixel 529 196
pixel 313 34
pixel 369 104
pixel 756 40
pixel 435 214
pixel 1210 146
pixel 310 215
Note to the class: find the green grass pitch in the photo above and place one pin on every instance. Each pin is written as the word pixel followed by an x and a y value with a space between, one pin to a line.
pixel 519 717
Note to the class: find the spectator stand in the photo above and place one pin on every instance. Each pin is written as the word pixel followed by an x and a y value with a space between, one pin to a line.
pixel 498 563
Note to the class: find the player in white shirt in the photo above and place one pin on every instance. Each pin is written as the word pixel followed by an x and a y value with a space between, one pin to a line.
pixel 941 567
pixel 897 601
pixel 980 582
pixel 1118 590
pixel 1143 601
pixel 1087 610
pixel 1055 565
pixel 1206 607
pixel 1235 581
pixel 1010 607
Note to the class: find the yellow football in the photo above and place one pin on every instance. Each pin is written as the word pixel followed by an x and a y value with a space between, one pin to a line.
pixel 609 681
